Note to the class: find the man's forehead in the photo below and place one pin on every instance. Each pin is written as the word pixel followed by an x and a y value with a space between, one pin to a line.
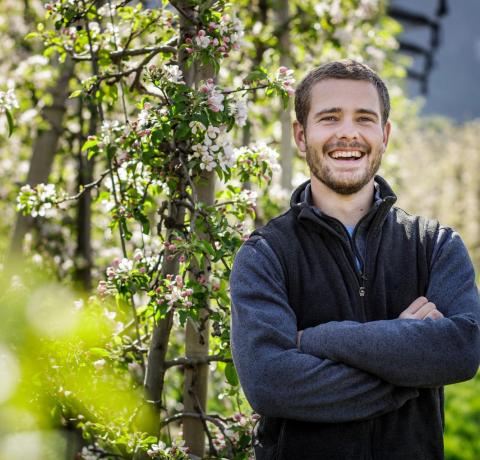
pixel 341 93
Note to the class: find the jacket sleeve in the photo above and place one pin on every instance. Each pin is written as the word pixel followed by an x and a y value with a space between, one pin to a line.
pixel 415 353
pixel 277 379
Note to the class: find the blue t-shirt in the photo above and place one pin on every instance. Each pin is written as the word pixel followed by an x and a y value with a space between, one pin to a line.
pixel 350 229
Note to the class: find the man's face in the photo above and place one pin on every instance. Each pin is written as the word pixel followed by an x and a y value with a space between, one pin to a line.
pixel 343 139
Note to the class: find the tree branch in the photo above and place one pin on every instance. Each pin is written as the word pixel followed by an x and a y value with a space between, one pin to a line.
pixel 184 361
pixel 116 55
pixel 85 188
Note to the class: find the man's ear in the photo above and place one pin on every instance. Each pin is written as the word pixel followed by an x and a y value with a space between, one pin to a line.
pixel 300 138
pixel 386 134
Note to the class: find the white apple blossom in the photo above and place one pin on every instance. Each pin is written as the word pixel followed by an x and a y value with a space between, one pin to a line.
pixel 213 131
pixel 173 73
pixel 99 364
pixel 215 101
pixel 154 448
pixel 37 201
pixel 8 100
pixel 196 127
pixel 202 41
pixel 125 266
pixel 240 112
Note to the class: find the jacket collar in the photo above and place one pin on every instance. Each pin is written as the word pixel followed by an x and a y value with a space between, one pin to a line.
pixel 301 204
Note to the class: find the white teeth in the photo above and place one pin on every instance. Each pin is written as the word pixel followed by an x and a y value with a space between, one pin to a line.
pixel 346 154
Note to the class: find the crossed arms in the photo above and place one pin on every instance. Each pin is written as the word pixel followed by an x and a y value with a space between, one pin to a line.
pixel 347 371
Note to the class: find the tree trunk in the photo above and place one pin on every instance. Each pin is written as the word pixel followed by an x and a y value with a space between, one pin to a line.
pixel 196 346
pixel 44 150
pixel 155 372
pixel 286 150
pixel 83 251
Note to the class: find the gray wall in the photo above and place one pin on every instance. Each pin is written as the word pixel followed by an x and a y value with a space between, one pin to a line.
pixel 454 83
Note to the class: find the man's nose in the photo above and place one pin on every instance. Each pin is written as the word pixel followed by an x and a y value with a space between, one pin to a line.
pixel 347 129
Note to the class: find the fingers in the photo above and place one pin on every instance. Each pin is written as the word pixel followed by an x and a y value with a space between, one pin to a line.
pixel 410 311
pixel 425 310
pixel 416 305
pixel 421 308
pixel 434 314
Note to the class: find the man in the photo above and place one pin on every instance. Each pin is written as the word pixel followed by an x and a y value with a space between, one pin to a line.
pixel 350 315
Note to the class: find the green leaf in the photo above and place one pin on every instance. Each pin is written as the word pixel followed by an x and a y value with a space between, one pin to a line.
pixel 145 226
pixel 11 124
pixel 89 144
pixel 31 35
pixel 101 352
pixel 231 374
pixel 76 93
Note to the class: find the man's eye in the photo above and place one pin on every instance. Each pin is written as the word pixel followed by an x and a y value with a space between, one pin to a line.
pixel 331 118
pixel 363 119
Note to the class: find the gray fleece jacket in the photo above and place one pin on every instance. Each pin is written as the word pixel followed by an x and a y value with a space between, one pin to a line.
pixel 349 370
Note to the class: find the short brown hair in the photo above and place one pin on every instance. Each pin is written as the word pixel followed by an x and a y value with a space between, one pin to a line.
pixel 346 69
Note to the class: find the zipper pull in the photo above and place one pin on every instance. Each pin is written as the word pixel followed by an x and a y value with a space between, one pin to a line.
pixel 362 289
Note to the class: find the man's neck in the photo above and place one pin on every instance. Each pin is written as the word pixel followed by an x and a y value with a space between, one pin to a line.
pixel 348 209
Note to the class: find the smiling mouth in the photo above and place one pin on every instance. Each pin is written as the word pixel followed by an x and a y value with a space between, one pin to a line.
pixel 351 155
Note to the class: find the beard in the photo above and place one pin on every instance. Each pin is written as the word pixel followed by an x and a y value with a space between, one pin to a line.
pixel 347 186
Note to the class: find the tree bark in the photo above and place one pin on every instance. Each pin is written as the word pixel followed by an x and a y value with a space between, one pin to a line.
pixel 83 251
pixel 155 372
pixel 44 150
pixel 196 346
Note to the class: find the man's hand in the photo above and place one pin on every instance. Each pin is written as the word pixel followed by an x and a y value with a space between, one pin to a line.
pixel 421 308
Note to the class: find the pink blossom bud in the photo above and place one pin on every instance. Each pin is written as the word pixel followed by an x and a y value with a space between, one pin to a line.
pixel 172 247
pixel 226 39
pixel 225 55
pixel 216 286
pixel 222 49
pixel 188 40
pixel 170 258
pixel 110 272
pixel 188 304
pixel 189 291
pixel 179 281
pixel 201 279
pixel 158 290
pixel 201 33
pixel 169 277
pixel 142 270
pixel 213 26
pixel 147 106
pixel 116 262
pixel 215 41
pixel 282 70
pixel 91 138
pixel 189 50
pixel 48 6
pixel 237 417
pixel 181 259
pixel 226 17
